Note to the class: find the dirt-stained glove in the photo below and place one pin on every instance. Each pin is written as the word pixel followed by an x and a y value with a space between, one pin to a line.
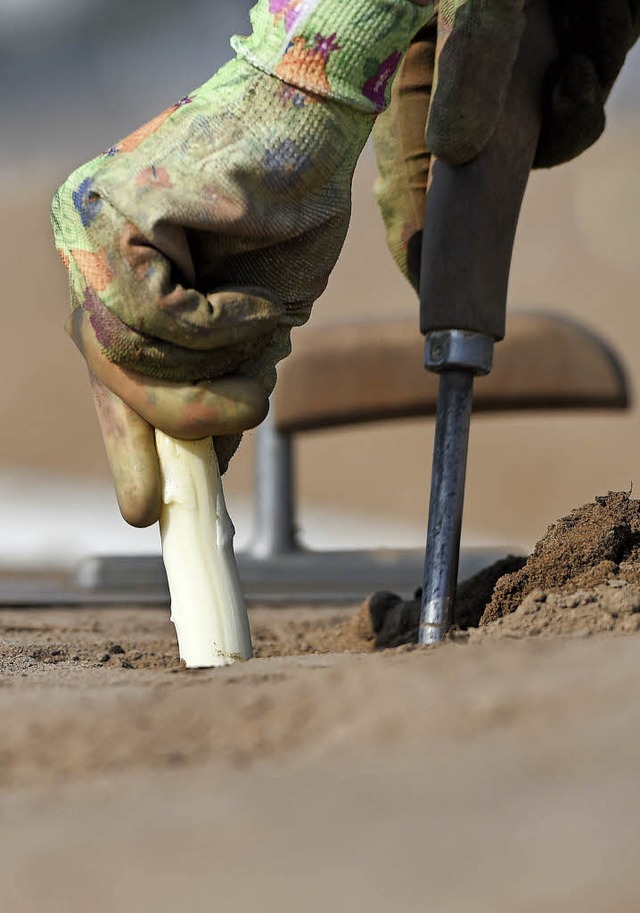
pixel 455 77
pixel 196 244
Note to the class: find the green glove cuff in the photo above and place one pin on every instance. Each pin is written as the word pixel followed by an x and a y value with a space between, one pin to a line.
pixel 347 51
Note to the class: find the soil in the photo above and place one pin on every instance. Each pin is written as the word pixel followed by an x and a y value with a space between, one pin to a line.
pixel 582 578
pixel 330 770
pixel 594 545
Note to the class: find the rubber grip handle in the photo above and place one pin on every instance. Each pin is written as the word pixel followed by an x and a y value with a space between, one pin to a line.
pixel 472 209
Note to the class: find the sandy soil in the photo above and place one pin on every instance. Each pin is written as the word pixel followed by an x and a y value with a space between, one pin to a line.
pixel 487 776
pixel 497 772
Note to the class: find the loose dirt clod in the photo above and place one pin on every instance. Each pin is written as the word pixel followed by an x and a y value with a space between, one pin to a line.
pixel 385 620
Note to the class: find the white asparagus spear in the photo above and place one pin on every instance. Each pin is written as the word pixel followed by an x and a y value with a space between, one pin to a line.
pixel 207 605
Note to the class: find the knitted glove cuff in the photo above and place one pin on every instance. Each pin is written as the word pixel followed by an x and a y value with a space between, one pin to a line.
pixel 347 51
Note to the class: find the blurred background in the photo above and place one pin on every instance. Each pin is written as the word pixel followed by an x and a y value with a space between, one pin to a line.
pixel 79 74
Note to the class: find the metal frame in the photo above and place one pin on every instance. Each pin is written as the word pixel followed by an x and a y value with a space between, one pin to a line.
pixel 274 524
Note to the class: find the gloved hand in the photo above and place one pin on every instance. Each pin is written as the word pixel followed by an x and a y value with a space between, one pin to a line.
pixel 455 77
pixel 196 244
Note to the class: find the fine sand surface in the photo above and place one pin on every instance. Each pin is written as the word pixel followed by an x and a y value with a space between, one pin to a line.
pixel 497 773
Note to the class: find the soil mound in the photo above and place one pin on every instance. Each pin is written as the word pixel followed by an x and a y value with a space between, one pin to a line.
pixel 595 544
pixel 582 578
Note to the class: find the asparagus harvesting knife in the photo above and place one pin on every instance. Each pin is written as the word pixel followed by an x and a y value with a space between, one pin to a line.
pixel 471 219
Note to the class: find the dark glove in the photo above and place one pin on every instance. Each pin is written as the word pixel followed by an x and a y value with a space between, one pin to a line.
pixel 443 78
pixel 594 39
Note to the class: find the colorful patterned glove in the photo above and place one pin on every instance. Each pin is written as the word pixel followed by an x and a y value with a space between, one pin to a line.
pixel 196 244
pixel 458 69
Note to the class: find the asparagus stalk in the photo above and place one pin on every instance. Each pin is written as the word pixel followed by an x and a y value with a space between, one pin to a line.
pixel 207 604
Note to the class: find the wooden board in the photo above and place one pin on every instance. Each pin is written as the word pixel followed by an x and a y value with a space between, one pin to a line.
pixel 350 373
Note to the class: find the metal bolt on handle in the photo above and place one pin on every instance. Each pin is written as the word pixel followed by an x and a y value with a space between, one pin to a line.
pixel 458 350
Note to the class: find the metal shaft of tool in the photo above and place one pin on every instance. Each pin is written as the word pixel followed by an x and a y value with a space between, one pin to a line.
pixel 458 357
pixel 445 504
pixel 470 224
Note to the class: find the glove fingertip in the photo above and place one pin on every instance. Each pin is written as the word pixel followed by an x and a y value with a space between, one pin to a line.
pixel 478 46
pixel 131 453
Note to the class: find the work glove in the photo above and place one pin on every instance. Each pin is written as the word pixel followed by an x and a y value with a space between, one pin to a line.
pixel 196 244
pixel 454 78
